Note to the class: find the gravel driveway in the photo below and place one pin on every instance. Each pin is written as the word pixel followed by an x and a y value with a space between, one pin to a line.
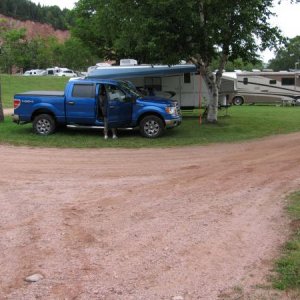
pixel 182 223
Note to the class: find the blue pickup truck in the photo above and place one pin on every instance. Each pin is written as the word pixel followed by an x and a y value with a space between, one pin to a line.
pixel 79 106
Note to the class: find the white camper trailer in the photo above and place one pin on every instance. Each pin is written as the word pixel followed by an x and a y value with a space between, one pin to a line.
pixel 179 82
pixel 266 87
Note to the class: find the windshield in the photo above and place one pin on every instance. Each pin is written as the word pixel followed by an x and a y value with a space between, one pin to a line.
pixel 130 88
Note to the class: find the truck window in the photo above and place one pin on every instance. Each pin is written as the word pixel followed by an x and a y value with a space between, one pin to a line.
pixel 272 81
pixel 115 94
pixel 84 91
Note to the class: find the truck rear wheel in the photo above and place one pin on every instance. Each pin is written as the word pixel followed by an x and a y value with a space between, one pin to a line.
pixel 151 127
pixel 44 124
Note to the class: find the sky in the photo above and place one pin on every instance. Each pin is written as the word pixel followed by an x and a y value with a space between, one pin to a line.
pixel 287 18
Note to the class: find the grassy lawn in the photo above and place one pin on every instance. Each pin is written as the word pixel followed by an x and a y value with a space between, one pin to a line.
pixel 11 85
pixel 241 123
pixel 288 266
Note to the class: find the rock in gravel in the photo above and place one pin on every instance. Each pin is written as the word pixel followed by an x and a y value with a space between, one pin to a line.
pixel 177 298
pixel 34 278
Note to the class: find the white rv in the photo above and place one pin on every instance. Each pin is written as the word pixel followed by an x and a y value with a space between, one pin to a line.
pixel 266 87
pixel 179 82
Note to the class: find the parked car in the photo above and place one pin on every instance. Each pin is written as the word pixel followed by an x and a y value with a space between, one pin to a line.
pixel 36 72
pixel 66 73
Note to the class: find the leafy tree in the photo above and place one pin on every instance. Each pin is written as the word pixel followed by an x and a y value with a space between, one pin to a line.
pixel 39 52
pixel 76 55
pixel 166 31
pixel 287 56
pixel 238 64
pixel 12 48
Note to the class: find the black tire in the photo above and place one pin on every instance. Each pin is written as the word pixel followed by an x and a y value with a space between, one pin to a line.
pixel 152 127
pixel 238 100
pixel 44 124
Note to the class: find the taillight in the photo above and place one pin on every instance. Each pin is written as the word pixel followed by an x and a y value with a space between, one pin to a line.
pixel 17 103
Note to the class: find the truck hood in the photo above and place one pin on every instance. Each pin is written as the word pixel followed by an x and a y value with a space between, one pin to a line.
pixel 155 100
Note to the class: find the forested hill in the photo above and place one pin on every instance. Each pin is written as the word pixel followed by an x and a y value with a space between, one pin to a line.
pixel 27 10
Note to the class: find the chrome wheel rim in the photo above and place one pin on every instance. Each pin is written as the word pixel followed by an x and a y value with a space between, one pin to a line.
pixel 43 126
pixel 151 128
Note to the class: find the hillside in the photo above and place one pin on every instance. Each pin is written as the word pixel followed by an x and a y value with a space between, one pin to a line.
pixel 34 29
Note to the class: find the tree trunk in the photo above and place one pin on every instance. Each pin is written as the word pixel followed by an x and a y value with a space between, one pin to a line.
pixel 212 113
pixel 1 107
pixel 215 83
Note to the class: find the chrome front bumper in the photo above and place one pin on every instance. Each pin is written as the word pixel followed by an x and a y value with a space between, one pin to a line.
pixel 173 122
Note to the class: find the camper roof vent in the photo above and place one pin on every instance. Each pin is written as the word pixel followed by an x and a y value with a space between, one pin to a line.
pixel 128 62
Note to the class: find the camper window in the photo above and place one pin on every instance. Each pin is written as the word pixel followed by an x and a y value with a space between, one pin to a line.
pixel 153 83
pixel 287 81
pixel 245 80
pixel 272 81
pixel 187 77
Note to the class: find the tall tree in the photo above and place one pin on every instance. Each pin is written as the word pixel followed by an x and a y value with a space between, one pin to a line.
pixel 76 55
pixel 168 30
pixel 12 49
pixel 288 56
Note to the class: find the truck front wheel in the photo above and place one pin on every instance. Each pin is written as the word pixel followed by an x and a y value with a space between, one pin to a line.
pixel 151 126
pixel 44 124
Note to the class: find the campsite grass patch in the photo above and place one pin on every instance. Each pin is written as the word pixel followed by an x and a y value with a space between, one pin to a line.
pixel 288 266
pixel 13 84
pixel 241 123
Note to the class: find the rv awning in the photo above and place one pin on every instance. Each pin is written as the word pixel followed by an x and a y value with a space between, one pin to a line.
pixel 121 72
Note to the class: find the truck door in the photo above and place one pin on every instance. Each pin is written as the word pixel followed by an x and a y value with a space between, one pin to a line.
pixel 119 107
pixel 81 104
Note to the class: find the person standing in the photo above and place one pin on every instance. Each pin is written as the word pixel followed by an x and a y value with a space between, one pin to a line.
pixel 104 108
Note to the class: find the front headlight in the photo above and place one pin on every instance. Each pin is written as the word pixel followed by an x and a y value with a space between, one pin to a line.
pixel 171 110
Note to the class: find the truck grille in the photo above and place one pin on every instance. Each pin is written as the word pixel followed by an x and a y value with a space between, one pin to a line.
pixel 178 111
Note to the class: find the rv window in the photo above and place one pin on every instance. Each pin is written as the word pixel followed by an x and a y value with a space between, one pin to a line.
pixel 245 80
pixel 288 81
pixel 187 77
pixel 272 81
pixel 153 82
pixel 83 91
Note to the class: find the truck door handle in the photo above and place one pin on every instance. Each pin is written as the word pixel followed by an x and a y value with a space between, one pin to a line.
pixel 71 102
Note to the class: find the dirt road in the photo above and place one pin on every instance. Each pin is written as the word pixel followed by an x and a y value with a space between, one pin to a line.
pixel 182 223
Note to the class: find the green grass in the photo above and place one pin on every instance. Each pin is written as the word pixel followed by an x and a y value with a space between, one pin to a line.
pixel 12 84
pixel 288 266
pixel 242 123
